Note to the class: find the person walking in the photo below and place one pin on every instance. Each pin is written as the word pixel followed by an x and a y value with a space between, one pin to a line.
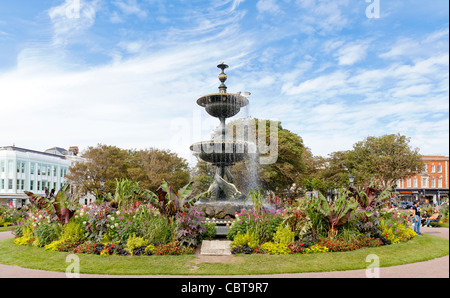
pixel 417 217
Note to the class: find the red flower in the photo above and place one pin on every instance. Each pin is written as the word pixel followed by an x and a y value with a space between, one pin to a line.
pixel 301 244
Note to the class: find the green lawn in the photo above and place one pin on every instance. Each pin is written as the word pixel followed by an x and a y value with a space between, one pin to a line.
pixel 421 248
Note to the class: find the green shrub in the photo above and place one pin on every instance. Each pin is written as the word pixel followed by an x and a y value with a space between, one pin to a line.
pixel 283 235
pixel 135 242
pixel 316 248
pixel 396 232
pixel 47 233
pixel 276 248
pixel 172 248
pixel 73 231
pixel 249 238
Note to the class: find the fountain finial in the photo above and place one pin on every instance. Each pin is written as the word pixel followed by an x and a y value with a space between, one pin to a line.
pixel 222 77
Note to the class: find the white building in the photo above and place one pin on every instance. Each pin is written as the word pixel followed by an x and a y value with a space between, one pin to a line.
pixel 29 170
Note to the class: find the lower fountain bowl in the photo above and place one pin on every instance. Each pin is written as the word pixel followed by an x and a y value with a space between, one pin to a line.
pixel 221 152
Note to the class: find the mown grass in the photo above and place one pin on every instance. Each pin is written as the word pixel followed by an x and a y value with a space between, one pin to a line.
pixel 421 248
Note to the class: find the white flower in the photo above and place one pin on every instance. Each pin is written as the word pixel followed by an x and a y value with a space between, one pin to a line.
pixel 84 223
pixel 117 212
pixel 112 218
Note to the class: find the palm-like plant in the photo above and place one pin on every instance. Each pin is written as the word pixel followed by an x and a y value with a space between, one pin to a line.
pixel 170 202
pixel 62 205
pixel 335 213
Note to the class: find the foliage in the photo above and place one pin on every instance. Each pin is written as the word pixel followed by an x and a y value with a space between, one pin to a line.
pixel 189 227
pixel 264 225
pixel 298 221
pixel 61 206
pixel 64 245
pixel 334 245
pixel 396 231
pixel 249 239
pixel 74 231
pixel 273 248
pixel 170 203
pixel 108 163
pixel 87 247
pixel 316 248
pixel 335 213
pixel 283 235
pixel 48 232
pixel 386 159
pixel 244 249
pixel 135 242
pixel 172 248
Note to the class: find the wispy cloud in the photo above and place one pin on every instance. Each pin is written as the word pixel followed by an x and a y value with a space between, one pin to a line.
pixel 71 19
pixel 128 72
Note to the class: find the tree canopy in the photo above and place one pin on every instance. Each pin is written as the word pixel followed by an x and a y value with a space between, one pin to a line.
pixel 108 163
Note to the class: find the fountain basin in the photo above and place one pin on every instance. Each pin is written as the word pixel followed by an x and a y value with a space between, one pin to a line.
pixel 222 105
pixel 221 152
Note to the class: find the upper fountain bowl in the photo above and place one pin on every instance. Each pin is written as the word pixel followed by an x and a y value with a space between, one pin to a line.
pixel 222 105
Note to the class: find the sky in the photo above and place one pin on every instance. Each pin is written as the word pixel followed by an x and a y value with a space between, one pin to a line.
pixel 128 72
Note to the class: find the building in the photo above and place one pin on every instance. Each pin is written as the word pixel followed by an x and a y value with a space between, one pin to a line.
pixel 429 184
pixel 29 170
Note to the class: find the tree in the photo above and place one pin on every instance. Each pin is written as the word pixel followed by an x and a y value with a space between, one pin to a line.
pixel 385 159
pixel 151 166
pixel 105 164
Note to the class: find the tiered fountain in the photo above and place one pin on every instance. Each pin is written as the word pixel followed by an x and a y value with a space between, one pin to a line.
pixel 224 199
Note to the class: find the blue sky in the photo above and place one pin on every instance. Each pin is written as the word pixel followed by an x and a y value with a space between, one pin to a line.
pixel 128 72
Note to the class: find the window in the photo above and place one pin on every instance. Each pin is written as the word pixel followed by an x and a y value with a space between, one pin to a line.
pixel 424 183
pixel 439 168
pixel 408 182
pixel 32 169
pixel 10 184
pixel 31 185
pixel 415 182
pixel 2 166
pixel 433 183
pixel 2 183
pixel 425 167
pixel 440 183
pixel 433 170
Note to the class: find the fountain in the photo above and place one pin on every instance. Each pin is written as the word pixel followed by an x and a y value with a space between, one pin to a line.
pixel 223 199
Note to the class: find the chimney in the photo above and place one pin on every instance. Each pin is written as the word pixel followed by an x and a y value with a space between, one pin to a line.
pixel 74 150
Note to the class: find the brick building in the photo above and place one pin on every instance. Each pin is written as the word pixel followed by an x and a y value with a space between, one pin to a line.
pixel 429 184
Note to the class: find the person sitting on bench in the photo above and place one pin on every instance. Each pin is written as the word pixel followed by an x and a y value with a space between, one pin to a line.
pixel 433 217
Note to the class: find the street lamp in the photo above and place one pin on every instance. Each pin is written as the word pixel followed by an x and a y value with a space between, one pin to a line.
pixel 351 179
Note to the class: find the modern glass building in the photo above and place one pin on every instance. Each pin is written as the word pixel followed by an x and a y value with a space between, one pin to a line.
pixel 29 170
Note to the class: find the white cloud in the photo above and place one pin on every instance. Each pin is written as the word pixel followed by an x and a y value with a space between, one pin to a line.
pixel 130 7
pixel 352 53
pixel 267 6
pixel 71 18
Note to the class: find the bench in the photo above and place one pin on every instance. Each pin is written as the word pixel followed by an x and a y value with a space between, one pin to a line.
pixel 435 222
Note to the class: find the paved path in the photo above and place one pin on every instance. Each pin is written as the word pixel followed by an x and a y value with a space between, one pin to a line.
pixel 438 267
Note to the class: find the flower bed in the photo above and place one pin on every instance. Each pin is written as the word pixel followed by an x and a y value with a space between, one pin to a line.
pixel 355 220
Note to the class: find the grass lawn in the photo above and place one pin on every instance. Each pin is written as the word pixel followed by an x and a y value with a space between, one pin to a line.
pixel 421 248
